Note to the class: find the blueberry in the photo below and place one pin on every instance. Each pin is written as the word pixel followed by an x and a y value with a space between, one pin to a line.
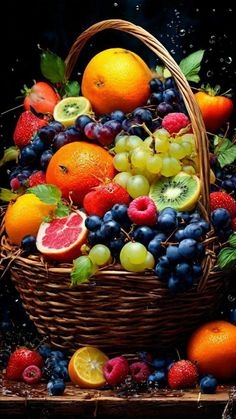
pixel 168 210
pixel 47 133
pixel 56 387
pixel 45 158
pixel 197 270
pixel 158 363
pixel 38 145
pixel 194 217
pixel 60 139
pixel 188 248
pixel 156 85
pixel 156 98
pixel 169 83
pixel 45 351
pixel 208 384
pixel 155 248
pixel 158 377
pixel 200 251
pixel 28 244
pixel 173 254
pixel 143 234
pixel 163 268
pixel 174 283
pixel 93 222
pixel 57 126
pixel 108 216
pixel 27 156
pixel 115 246
pixel 119 213
pixel 232 315
pixel 183 269
pixel 204 225
pixel 167 222
pixel 227 185
pixel 220 218
pixel 193 231
pixel 57 354
pixel 118 115
pixel 110 229
pixel 183 216
pixel 60 371
pixel 179 235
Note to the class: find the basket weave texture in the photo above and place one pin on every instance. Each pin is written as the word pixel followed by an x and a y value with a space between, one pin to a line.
pixel 119 310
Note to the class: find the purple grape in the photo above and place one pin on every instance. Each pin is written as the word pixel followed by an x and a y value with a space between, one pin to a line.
pixel 118 116
pixel 81 122
pixel 45 158
pixel 27 156
pixel 156 85
pixel 163 109
pixel 90 130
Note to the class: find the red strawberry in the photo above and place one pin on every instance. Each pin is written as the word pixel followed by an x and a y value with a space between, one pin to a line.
pixel 142 210
pixel 41 97
pixel 182 374
pixel 223 200
pixel 140 371
pixel 37 178
pixel 116 370
pixel 26 127
pixel 102 198
pixel 233 224
pixel 19 360
pixel 32 374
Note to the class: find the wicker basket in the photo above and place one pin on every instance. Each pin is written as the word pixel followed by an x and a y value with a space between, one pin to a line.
pixel 119 310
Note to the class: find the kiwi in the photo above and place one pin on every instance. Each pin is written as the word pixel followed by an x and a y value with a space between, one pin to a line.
pixel 180 192
pixel 67 110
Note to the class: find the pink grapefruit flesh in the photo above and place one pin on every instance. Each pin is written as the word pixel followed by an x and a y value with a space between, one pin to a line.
pixel 62 238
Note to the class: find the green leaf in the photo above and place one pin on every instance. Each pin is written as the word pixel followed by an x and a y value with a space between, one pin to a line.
pixel 226 258
pixel 191 65
pixel 62 210
pixel 10 154
pixel 166 73
pixel 6 195
pixel 232 240
pixel 52 67
pixel 71 88
pixel 224 150
pixel 83 268
pixel 49 194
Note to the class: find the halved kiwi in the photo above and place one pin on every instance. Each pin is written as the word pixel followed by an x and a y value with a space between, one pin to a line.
pixel 180 192
pixel 67 110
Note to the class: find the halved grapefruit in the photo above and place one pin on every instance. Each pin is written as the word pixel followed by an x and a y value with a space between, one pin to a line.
pixel 62 238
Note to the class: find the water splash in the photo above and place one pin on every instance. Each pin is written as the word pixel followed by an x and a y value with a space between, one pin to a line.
pixel 137 7
pixel 212 39
pixel 182 32
pixel 228 60
pixel 231 298
pixel 209 73
pixel 115 4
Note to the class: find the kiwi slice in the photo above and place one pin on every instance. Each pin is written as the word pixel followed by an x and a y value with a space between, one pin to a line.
pixel 67 110
pixel 180 192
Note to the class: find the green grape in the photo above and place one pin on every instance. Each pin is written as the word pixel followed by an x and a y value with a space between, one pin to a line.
pixel 162 145
pixel 100 254
pixel 133 141
pixel 122 178
pixel 154 163
pixel 162 134
pixel 137 185
pixel 139 158
pixel 170 167
pixel 189 169
pixel 187 147
pixel 121 162
pixel 131 267
pixel 121 143
pixel 135 252
pixel 176 150
pixel 189 138
pixel 149 261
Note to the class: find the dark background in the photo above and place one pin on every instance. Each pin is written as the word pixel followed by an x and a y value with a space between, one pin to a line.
pixel 182 26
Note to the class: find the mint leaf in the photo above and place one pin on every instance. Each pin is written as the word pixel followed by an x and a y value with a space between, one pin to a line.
pixel 52 67
pixel 232 240
pixel 224 150
pixel 49 194
pixel 83 268
pixel 71 88
pixel 226 258
pixel 10 154
pixel 191 65
pixel 61 210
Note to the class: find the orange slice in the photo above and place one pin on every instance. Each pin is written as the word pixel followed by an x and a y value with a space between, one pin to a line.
pixel 86 367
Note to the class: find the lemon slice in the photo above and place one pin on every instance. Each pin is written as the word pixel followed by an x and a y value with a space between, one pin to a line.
pixel 67 110
pixel 86 367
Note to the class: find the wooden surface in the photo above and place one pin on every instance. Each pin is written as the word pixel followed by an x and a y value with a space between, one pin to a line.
pixel 18 400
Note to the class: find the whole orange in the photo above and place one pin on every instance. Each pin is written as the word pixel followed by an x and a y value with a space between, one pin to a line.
pixel 213 347
pixel 24 216
pixel 78 167
pixel 116 78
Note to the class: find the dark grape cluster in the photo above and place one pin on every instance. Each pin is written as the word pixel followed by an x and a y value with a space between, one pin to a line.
pixel 165 96
pixel 225 177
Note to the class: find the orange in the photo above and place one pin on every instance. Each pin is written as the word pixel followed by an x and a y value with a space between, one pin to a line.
pixel 116 79
pixel 86 367
pixel 78 167
pixel 24 217
pixel 213 347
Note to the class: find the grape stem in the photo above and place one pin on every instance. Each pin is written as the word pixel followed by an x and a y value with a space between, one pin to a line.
pixel 127 235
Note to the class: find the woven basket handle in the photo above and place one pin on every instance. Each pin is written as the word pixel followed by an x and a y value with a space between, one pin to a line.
pixel 193 110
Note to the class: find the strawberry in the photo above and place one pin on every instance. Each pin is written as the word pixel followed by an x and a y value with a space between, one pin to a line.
pixel 216 110
pixel 41 97
pixel 182 374
pixel 19 360
pixel 26 127
pixel 37 178
pixel 223 200
pixel 102 198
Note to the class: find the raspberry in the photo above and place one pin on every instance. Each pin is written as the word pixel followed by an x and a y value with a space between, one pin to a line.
pixel 223 200
pixel 233 224
pixel 182 374
pixel 37 178
pixel 142 210
pixel 15 184
pixel 32 374
pixel 140 371
pixel 116 370
pixel 175 121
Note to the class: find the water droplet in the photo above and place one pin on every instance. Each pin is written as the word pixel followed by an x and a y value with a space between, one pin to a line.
pixel 221 60
pixel 91 45
pixel 172 51
pixel 228 60
pixel 191 46
pixel 213 10
pixel 230 9
pixel 197 10
pixel 79 73
pixel 184 51
pixel 182 32
pixel 167 35
pixel 17 60
pixel 212 39
pixel 137 7
pixel 231 298
pixel 12 69
pixel 115 4
pixel 209 73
